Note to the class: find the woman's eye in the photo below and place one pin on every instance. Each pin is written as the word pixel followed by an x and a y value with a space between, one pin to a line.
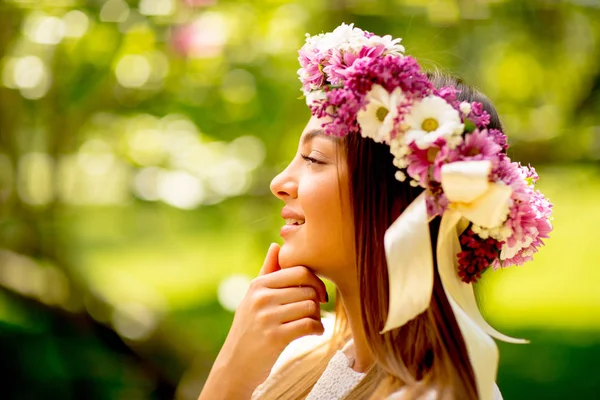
pixel 311 160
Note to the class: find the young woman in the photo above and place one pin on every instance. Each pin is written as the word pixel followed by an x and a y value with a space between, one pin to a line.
pixel 401 194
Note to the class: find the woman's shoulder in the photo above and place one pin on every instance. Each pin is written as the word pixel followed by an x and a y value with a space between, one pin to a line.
pixel 433 394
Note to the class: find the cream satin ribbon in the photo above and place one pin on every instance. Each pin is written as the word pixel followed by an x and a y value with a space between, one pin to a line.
pixel 466 186
pixel 410 261
pixel 410 264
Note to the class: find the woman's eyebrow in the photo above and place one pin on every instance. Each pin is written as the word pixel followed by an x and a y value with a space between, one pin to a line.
pixel 318 132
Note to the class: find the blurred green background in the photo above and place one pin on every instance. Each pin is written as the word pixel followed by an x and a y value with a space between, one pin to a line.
pixel 138 139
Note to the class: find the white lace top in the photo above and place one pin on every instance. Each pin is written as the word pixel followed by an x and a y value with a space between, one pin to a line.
pixel 339 378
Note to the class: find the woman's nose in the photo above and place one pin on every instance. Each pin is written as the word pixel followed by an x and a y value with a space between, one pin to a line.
pixel 284 185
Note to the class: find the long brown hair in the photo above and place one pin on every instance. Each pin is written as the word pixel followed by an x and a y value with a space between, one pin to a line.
pixel 429 351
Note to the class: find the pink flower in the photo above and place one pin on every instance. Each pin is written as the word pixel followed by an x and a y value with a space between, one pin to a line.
pixel 424 164
pixel 479 116
pixel 530 222
pixel 311 73
pixel 338 62
pixel 341 106
pixel 529 215
pixel 476 146
pixel 341 60
pixel 448 93
pixel 419 163
pixel 436 202
pixel 500 138
pixel 390 72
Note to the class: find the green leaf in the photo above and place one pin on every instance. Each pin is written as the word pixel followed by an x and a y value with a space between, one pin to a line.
pixel 469 125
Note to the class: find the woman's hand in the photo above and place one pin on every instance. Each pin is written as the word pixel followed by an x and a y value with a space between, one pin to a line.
pixel 281 305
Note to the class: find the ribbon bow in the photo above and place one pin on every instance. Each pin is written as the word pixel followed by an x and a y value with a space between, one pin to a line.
pixel 410 261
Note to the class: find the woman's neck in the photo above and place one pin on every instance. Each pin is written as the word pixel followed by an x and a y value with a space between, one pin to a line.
pixel 363 358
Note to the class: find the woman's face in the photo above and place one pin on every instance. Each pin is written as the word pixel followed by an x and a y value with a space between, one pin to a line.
pixel 318 231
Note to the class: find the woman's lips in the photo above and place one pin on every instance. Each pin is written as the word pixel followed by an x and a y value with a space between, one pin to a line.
pixel 289 228
pixel 294 221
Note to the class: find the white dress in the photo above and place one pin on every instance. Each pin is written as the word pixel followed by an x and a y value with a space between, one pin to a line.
pixel 339 378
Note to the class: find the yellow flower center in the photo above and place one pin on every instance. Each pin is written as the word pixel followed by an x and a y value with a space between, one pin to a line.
pixel 381 113
pixel 432 154
pixel 430 124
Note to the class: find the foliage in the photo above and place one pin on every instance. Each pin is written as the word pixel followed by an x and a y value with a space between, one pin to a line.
pixel 138 138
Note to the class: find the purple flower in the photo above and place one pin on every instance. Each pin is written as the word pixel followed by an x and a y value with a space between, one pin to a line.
pixel 436 201
pixel 479 116
pixel 499 137
pixel 341 107
pixel 448 93
pixel 390 72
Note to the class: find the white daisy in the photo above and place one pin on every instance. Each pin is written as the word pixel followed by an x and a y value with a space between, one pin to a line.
pixel 377 120
pixel 314 96
pixel 430 119
pixel 392 46
pixel 343 37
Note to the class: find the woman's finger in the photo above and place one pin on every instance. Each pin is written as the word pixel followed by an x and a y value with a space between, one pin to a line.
pixel 294 295
pixel 271 263
pixel 295 311
pixel 301 327
pixel 294 277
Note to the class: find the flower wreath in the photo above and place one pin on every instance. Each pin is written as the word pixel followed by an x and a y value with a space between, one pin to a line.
pixel 492 215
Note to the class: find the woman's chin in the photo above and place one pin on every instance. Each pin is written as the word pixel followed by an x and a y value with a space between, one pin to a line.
pixel 288 256
pixel 292 257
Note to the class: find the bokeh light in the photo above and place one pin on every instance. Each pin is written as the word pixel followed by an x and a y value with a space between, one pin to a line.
pixel 203 38
pixel 36 176
pixel 133 71
pixel 157 7
pixel 180 189
pixel 76 24
pixel 134 321
pixel 232 290
pixel 43 29
pixel 114 11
